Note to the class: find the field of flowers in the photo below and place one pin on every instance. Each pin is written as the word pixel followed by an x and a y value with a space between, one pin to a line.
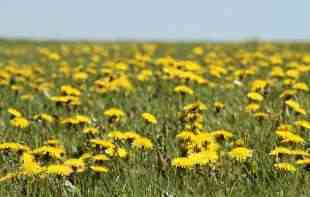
pixel 154 119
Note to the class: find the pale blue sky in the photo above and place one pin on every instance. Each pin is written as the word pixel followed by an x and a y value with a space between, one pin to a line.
pixel 158 19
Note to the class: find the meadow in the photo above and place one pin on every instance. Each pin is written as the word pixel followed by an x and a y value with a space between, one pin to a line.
pixel 154 119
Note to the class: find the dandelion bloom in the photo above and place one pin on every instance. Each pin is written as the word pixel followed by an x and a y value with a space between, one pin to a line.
pixel 142 143
pixel 284 166
pixel 240 153
pixel 254 96
pixel 99 169
pixel 59 169
pixel 149 118
pixel 183 90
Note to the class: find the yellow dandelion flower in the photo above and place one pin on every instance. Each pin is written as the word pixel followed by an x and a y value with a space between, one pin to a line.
pixel 277 72
pixel 44 117
pixel 76 165
pixel 183 90
pixel 295 107
pixel 299 152
pixel 201 158
pixel 240 153
pixel 303 124
pixel 86 156
pixel 118 135
pixel 289 137
pixel 293 73
pixel 14 112
pixel 80 76
pixel 53 142
pixel 105 144
pixel 259 85
pixel 254 96
pixel 286 167
pixel 301 86
pixel 261 115
pixel 91 130
pixel 59 169
pixel 68 100
pixel 122 152
pixel 116 152
pixel 303 162
pixel 19 122
pixel 280 151
pixel 197 106
pixel 114 113
pixel 288 93
pixel 82 119
pixel 142 143
pixel 100 157
pixel 76 120
pixel 99 169
pixel 13 147
pixel 182 162
pixel 29 165
pixel 149 118
pixel 285 127
pixel 218 106
pixel 69 90
pixel 185 135
pixel 252 107
pixel 54 152
pixel 144 75
pixel 204 157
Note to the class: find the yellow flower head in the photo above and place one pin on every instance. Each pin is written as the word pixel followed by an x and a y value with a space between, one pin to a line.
pixel 218 105
pixel 117 152
pixel 197 106
pixel 77 165
pixel 14 112
pixel 45 117
pixel 13 147
pixel 183 90
pixel 118 135
pixel 201 158
pixel 303 162
pixel 59 169
pixel 53 152
pixel 114 113
pixel 19 122
pixel 301 86
pixel 99 169
pixel 289 137
pixel 295 107
pixel 252 107
pixel 286 167
pixel 254 96
pixel 288 93
pixel 240 153
pixel 69 90
pixel 105 144
pixel 100 157
pixel 29 165
pixel 149 118
pixel 142 143
pixel 303 124
pixel 91 130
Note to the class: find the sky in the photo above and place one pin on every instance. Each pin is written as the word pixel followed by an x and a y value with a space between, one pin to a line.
pixel 155 20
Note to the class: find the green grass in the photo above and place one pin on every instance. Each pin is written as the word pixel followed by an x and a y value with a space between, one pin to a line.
pixel 143 174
